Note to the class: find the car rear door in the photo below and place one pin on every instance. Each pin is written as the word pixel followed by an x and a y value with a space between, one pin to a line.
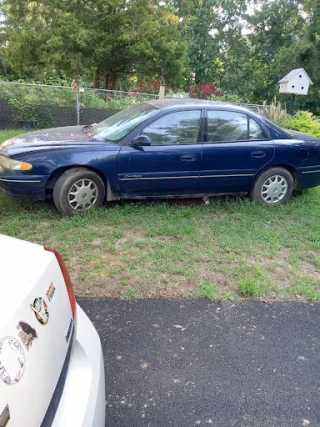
pixel 36 330
pixel 170 165
pixel 235 148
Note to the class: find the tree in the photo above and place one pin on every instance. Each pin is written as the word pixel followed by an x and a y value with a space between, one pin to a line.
pixel 305 52
pixel 274 27
pixel 238 48
pixel 213 27
pixel 108 38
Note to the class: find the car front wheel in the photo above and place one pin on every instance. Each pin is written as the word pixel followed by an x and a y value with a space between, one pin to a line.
pixel 77 190
pixel 273 187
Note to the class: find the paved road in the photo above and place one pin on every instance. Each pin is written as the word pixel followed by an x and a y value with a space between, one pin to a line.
pixel 187 363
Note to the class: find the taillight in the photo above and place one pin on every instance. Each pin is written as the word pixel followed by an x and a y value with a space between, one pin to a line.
pixel 66 276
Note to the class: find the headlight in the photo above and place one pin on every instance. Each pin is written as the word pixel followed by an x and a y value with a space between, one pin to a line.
pixel 14 165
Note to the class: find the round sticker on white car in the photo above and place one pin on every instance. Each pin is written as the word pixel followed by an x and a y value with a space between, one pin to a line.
pixel 12 360
pixel 40 309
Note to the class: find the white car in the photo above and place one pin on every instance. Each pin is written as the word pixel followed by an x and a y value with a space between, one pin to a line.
pixel 51 362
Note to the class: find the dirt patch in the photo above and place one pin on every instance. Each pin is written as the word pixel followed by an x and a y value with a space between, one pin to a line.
pixel 130 236
pixel 310 269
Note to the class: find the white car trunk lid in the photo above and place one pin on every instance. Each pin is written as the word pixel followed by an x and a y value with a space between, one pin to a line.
pixel 35 330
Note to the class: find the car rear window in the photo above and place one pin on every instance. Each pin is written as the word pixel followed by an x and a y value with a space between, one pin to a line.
pixel 228 126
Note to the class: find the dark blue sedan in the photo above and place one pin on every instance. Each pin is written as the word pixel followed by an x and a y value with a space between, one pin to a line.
pixel 161 149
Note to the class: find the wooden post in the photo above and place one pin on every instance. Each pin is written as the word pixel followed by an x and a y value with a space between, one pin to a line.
pixel 75 88
pixel 162 90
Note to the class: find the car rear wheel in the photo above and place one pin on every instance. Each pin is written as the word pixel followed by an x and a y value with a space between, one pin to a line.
pixel 273 187
pixel 77 190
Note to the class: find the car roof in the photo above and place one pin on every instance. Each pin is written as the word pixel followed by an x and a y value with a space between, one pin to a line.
pixel 168 103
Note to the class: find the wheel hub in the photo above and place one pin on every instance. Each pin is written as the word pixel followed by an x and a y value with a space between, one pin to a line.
pixel 274 189
pixel 83 194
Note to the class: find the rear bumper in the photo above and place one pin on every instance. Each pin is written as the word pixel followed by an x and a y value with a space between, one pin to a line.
pixel 22 186
pixel 308 177
pixel 83 399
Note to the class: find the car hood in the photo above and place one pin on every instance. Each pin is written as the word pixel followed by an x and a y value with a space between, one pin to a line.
pixel 51 138
pixel 302 136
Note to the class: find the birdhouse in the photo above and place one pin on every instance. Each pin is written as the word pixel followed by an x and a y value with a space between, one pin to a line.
pixel 297 82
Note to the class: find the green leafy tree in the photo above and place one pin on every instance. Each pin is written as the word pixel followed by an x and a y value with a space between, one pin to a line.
pixel 303 51
pixel 274 27
pixel 213 27
pixel 108 38
pixel 203 48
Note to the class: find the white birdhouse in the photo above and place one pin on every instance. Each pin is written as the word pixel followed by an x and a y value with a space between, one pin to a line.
pixel 297 82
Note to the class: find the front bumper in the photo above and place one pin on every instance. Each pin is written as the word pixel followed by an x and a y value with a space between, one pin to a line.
pixel 24 186
pixel 82 402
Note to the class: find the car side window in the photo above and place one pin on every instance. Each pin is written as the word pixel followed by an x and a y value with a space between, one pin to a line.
pixel 181 127
pixel 255 130
pixel 232 126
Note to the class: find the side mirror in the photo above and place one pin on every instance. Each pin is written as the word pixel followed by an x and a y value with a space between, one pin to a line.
pixel 141 141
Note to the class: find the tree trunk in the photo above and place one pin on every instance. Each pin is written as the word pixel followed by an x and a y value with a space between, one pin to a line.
pixel 111 80
pixel 96 79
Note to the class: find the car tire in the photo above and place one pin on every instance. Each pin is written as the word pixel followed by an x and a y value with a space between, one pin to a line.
pixel 77 190
pixel 273 187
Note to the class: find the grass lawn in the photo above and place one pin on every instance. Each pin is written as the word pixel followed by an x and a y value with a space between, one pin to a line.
pixel 9 133
pixel 230 249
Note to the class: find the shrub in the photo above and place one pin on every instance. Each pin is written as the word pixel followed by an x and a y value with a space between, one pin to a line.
pixel 28 103
pixel 274 112
pixel 204 91
pixel 228 97
pixel 304 121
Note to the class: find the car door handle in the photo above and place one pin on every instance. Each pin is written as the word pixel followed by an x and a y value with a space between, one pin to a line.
pixel 188 158
pixel 258 154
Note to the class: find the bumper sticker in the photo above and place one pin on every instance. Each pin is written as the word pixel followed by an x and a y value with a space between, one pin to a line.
pixel 50 292
pixel 27 334
pixel 12 360
pixel 40 309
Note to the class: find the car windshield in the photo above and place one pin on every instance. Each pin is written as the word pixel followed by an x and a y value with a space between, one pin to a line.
pixel 119 125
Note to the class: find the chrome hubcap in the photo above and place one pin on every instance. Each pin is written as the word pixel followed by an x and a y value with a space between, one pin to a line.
pixel 83 195
pixel 274 189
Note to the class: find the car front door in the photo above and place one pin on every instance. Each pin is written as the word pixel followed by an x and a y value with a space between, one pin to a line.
pixel 235 148
pixel 170 165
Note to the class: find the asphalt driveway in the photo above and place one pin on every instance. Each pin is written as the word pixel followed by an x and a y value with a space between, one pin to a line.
pixel 194 362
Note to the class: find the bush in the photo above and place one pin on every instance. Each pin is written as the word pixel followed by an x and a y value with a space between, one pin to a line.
pixel 228 97
pixel 274 112
pixel 28 102
pixel 204 91
pixel 304 121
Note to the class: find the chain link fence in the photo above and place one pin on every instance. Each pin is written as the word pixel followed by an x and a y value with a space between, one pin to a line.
pixel 42 106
